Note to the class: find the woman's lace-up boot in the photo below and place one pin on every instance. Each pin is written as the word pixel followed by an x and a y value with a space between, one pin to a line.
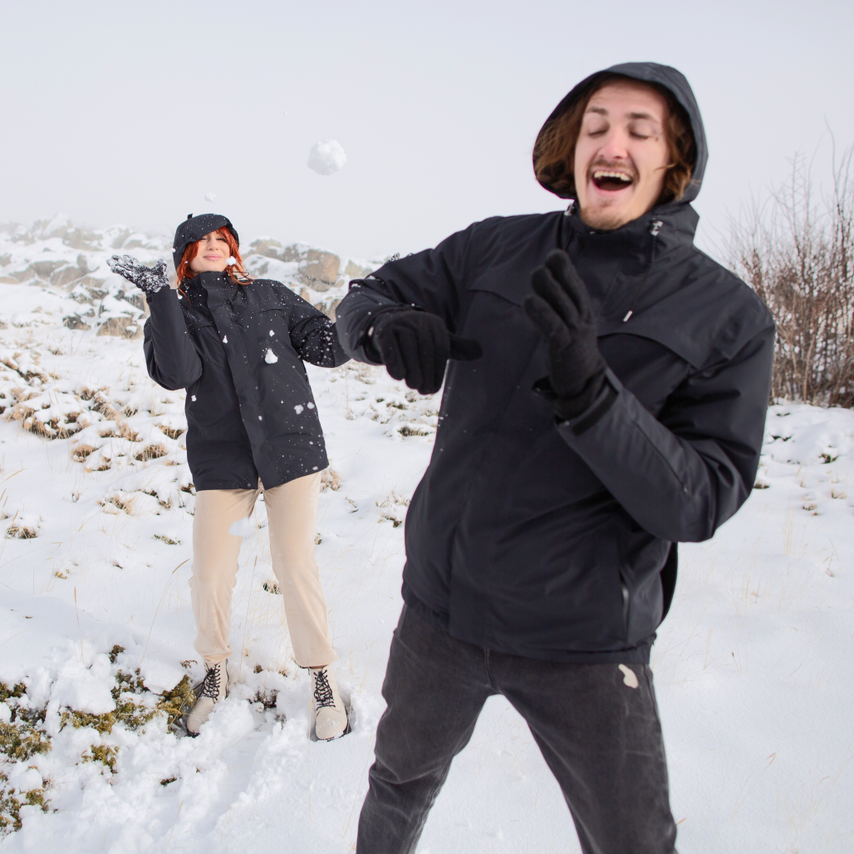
pixel 330 716
pixel 209 692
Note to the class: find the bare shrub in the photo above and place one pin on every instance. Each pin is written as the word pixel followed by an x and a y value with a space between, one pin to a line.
pixel 796 253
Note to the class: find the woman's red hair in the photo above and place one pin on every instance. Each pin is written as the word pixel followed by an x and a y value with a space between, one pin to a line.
pixel 235 270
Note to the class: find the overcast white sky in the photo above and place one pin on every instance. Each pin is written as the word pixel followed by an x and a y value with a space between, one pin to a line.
pixel 116 112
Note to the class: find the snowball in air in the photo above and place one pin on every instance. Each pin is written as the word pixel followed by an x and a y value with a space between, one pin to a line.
pixel 242 528
pixel 209 197
pixel 326 157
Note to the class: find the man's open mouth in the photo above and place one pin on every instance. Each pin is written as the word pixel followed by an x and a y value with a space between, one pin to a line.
pixel 606 179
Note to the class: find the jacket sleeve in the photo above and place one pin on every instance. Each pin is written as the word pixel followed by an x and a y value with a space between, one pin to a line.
pixel 170 356
pixel 312 333
pixel 683 474
pixel 428 281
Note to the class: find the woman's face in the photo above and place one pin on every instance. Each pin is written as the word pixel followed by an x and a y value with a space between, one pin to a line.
pixel 213 254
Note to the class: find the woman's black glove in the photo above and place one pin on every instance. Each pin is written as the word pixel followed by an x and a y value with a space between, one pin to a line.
pixel 560 309
pixel 148 279
pixel 415 346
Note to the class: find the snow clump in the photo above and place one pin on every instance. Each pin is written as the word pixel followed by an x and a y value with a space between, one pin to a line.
pixel 242 528
pixel 326 157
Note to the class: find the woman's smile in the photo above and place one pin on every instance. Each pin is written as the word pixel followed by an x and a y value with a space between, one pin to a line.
pixel 213 254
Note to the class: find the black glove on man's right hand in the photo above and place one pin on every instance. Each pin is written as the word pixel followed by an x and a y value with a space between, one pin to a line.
pixel 415 346
pixel 148 279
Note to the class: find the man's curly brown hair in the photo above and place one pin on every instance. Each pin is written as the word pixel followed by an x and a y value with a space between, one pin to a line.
pixel 554 151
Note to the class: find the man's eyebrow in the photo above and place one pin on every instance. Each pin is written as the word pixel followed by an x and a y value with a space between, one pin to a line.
pixel 603 112
pixel 649 116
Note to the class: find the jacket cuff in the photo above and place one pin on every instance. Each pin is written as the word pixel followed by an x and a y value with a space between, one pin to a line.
pixel 597 408
pixel 600 406
pixel 163 297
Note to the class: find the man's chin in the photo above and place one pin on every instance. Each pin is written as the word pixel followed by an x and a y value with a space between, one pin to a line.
pixel 606 218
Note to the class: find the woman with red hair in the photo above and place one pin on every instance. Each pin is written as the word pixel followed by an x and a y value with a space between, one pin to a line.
pixel 237 346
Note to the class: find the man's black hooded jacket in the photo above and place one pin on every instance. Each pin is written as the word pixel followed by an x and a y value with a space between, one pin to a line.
pixel 557 541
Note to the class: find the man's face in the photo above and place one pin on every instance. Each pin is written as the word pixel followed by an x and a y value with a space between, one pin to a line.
pixel 213 254
pixel 622 154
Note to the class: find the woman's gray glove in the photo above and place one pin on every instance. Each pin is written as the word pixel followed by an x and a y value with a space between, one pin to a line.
pixel 560 309
pixel 148 279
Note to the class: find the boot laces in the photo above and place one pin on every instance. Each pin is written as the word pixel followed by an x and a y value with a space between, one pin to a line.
pixel 322 689
pixel 211 683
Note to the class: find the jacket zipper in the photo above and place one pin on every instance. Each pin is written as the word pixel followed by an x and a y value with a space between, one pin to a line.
pixel 654 228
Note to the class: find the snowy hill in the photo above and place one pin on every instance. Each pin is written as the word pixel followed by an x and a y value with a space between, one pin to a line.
pixel 70 263
pixel 752 669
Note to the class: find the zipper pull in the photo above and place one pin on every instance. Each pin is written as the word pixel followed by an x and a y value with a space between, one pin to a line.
pixel 655 227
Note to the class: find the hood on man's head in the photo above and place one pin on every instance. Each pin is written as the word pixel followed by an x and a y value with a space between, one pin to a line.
pixel 195 228
pixel 646 72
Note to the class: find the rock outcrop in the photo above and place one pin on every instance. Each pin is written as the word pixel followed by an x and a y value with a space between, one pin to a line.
pixel 71 262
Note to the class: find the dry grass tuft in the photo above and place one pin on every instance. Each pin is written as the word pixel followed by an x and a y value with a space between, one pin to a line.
pixel 20 532
pixel 150 452
pixel 330 479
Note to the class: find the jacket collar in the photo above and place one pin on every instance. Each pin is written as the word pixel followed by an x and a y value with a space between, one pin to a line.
pixel 668 226
pixel 212 289
pixel 210 280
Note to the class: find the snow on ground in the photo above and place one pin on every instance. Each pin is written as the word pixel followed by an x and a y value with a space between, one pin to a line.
pixel 752 666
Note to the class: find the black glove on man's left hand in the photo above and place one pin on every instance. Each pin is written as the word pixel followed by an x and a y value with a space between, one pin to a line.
pixel 415 346
pixel 560 309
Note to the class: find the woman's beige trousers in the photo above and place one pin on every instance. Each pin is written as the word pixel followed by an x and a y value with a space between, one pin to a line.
pixel 292 519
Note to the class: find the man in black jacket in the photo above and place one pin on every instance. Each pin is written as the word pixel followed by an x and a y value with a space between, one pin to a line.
pixel 605 399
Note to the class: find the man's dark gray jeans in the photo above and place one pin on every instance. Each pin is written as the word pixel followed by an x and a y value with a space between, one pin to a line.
pixel 596 725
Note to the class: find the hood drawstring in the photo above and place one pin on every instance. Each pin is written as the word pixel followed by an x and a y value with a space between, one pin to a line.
pixel 654 228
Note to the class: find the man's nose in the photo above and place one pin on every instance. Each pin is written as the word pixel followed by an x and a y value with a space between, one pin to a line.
pixel 614 146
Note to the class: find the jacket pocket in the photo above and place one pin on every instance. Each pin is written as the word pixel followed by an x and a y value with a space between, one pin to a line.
pixel 642 558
